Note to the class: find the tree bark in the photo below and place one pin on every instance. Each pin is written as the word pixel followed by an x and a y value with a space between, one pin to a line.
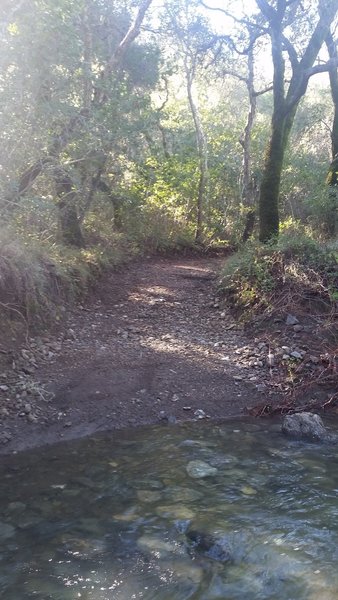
pixel 285 105
pixel 248 184
pixel 269 191
pixel 68 221
pixel 333 75
pixel 202 154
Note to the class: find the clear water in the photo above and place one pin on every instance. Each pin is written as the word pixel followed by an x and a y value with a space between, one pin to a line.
pixel 110 517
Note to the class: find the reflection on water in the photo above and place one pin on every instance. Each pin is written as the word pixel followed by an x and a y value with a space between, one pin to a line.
pixel 201 511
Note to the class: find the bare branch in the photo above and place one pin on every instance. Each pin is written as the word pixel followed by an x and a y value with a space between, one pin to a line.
pixel 122 47
pixel 241 21
pixel 269 88
pixel 332 63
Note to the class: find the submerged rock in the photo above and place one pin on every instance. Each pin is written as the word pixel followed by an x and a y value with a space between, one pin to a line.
pixel 197 469
pixel 215 547
pixel 305 426
pixel 177 511
pixel 158 545
pixel 6 531
pixel 148 495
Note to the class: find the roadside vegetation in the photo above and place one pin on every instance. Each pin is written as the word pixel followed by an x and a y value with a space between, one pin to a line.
pixel 295 273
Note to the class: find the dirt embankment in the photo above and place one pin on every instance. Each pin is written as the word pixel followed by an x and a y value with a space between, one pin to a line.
pixel 153 344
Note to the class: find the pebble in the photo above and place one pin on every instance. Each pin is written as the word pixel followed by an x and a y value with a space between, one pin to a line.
pixel 70 335
pixel 271 360
pixel 5 437
pixel 291 320
pixel 247 490
pixel 200 414
pixel 32 418
pixel 148 496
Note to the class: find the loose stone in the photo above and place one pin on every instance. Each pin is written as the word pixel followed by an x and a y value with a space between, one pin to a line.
pixel 291 320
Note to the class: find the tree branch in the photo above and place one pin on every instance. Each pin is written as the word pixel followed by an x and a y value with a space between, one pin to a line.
pixel 240 21
pixel 291 52
pixel 268 11
pixel 131 34
pixel 269 88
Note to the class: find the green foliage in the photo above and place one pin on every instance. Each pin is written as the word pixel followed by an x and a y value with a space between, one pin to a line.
pixel 37 277
pixel 296 269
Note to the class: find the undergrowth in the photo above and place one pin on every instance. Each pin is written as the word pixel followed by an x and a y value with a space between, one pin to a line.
pixel 38 277
pixel 296 272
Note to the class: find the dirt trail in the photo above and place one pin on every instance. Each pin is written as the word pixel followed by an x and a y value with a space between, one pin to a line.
pixel 150 346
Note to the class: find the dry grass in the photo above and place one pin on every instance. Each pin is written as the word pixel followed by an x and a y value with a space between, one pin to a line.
pixel 37 278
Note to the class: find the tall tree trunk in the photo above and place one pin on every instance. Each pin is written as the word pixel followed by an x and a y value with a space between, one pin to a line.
pixel 248 184
pixel 202 154
pixel 332 180
pixel 269 191
pixel 333 74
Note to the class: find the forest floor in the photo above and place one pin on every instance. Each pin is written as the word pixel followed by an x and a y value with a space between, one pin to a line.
pixel 152 344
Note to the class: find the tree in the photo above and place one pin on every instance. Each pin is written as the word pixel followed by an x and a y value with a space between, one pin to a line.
pixel 191 33
pixel 100 59
pixel 331 45
pixel 280 17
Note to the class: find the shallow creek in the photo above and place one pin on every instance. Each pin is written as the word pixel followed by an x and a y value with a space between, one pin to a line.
pixel 198 511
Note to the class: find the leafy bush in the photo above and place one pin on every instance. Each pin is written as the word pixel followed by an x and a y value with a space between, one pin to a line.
pixel 297 270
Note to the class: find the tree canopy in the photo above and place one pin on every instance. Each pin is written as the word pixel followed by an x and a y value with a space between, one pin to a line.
pixel 181 113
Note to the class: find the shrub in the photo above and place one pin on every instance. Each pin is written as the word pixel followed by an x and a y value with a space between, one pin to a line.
pixel 297 270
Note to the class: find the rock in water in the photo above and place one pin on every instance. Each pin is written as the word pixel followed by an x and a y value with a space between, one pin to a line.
pixel 197 469
pixel 6 531
pixel 305 426
pixel 214 547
